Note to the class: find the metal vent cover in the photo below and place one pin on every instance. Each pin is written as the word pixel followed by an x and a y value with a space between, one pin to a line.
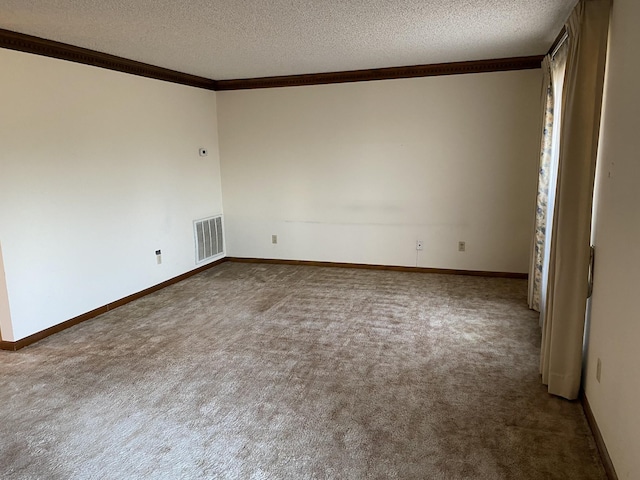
pixel 209 238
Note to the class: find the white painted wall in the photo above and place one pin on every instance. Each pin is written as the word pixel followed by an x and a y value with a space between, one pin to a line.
pixel 358 172
pixel 98 169
pixel 615 318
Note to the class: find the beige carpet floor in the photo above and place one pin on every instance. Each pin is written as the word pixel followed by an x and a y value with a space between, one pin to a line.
pixel 251 371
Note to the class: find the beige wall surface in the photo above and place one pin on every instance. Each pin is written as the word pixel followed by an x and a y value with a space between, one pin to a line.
pixel 359 172
pixel 614 334
pixel 98 170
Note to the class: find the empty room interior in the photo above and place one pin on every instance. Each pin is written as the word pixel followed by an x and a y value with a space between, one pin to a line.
pixel 291 239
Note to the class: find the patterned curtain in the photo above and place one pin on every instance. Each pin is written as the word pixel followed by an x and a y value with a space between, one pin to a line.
pixel 542 199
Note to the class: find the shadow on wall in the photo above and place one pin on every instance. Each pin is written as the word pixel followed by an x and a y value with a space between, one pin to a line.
pixel 6 330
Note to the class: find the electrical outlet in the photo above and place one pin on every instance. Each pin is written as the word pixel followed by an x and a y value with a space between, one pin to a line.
pixel 598 370
pixel 462 246
pixel 274 239
pixel 419 245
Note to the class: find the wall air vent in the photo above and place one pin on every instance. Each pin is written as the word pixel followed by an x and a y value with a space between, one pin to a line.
pixel 209 238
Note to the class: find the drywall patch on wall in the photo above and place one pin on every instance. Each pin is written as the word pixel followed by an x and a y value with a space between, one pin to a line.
pixel 6 329
pixel 99 170
pixel 359 172
pixel 614 328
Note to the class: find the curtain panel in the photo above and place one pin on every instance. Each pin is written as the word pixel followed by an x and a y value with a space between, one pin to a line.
pixel 554 65
pixel 567 283
pixel 542 198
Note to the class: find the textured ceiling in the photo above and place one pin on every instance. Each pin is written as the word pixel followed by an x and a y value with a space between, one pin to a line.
pixel 225 39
